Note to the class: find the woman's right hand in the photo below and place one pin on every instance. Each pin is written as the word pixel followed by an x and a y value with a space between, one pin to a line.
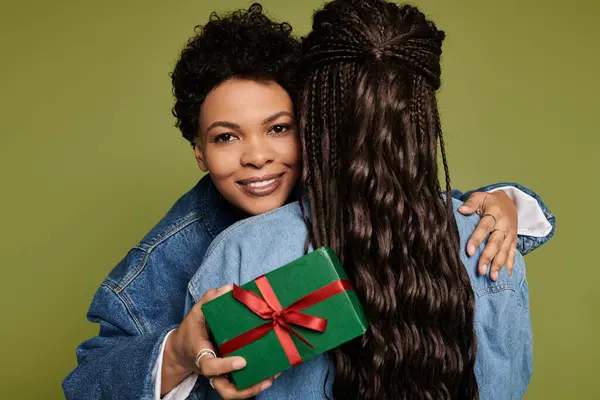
pixel 184 343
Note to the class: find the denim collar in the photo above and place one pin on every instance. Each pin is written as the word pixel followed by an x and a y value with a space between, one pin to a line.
pixel 216 212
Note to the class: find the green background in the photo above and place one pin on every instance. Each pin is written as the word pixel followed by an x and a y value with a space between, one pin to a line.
pixel 90 158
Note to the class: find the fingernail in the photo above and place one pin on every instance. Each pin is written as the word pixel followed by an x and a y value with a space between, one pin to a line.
pixel 266 385
pixel 239 363
pixel 471 249
pixel 494 275
pixel 483 269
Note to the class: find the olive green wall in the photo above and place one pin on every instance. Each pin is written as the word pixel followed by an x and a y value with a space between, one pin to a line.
pixel 90 159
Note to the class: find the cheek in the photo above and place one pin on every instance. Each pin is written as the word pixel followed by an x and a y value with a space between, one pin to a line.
pixel 222 163
pixel 290 152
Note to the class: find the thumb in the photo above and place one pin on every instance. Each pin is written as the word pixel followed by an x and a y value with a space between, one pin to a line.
pixel 472 204
pixel 468 208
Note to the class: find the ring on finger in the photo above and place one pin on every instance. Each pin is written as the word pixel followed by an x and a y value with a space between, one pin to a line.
pixel 490 215
pixel 210 381
pixel 202 353
pixel 500 230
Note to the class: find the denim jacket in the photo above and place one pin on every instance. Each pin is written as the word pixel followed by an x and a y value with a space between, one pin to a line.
pixel 144 297
pixel 257 245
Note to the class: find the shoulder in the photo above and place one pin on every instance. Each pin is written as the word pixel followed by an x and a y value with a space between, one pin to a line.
pixel 186 210
pixel 280 223
pixel 250 248
pixel 171 237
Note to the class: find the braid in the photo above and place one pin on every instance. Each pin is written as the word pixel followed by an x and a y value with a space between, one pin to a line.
pixel 370 134
pixel 310 175
pixel 324 195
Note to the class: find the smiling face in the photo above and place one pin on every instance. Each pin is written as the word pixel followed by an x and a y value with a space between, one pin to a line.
pixel 248 143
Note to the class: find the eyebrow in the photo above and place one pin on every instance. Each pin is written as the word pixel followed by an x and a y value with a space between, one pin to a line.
pixel 224 124
pixel 231 125
pixel 273 117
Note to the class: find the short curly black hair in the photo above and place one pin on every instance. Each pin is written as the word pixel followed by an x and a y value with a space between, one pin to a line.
pixel 243 44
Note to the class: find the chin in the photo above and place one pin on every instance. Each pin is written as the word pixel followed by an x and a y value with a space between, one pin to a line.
pixel 262 207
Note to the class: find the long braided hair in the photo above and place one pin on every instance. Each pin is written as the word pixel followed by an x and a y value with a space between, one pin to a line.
pixel 370 126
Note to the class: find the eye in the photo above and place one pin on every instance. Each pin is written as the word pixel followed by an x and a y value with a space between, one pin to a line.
pixel 224 138
pixel 280 128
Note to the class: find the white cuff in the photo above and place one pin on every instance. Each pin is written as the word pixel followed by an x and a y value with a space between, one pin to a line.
pixel 530 217
pixel 180 392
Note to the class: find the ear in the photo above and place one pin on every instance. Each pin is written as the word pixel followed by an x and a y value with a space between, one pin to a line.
pixel 199 154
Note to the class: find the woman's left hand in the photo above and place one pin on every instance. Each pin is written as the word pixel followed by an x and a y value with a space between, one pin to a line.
pixel 499 220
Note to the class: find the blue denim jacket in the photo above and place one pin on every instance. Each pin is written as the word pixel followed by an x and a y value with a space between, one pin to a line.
pixel 144 296
pixel 258 245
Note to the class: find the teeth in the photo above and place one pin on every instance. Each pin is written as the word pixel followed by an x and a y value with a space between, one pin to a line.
pixel 261 183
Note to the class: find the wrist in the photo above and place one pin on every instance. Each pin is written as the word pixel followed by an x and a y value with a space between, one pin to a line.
pixel 174 357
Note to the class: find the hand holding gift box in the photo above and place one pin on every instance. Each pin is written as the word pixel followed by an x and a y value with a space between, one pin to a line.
pixel 285 317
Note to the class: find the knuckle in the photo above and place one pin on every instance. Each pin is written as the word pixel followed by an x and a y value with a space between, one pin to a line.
pixel 491 246
pixel 226 288
pixel 498 241
pixel 475 239
pixel 504 222
pixel 493 207
pixel 208 367
pixel 203 370
pixel 226 393
pixel 498 263
pixel 485 259
pixel 488 253
pixel 197 308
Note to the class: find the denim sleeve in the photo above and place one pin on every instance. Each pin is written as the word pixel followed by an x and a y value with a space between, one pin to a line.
pixel 504 362
pixel 525 244
pixel 504 359
pixel 118 363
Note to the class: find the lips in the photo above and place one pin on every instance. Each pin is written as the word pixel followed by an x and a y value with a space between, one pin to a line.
pixel 261 186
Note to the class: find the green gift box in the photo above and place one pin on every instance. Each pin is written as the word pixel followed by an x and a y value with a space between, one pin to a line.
pixel 286 317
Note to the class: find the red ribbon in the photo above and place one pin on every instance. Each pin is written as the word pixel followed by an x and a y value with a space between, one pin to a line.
pixel 280 318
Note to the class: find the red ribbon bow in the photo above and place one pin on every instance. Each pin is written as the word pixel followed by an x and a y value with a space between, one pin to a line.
pixel 281 318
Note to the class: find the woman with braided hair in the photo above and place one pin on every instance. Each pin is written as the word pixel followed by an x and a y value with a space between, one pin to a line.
pixel 385 214
pixel 370 132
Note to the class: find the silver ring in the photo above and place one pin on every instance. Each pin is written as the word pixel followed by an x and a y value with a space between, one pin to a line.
pixel 500 230
pixel 201 354
pixel 210 382
pixel 490 215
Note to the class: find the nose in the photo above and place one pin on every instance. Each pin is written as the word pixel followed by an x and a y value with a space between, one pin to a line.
pixel 257 153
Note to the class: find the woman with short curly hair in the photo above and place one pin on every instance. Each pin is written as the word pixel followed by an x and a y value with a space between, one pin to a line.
pixel 234 85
